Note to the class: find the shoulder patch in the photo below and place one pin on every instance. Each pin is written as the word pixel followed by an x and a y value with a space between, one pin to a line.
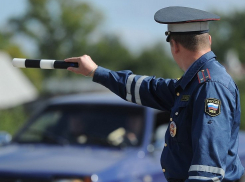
pixel 203 76
pixel 212 106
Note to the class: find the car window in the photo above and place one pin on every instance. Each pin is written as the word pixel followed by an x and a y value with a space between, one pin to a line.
pixel 160 127
pixel 95 124
pixel 44 122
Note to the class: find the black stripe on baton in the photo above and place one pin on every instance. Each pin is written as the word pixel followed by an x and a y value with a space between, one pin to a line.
pixel 32 63
pixel 64 65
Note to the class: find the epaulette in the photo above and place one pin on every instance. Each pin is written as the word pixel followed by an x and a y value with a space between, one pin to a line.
pixel 203 76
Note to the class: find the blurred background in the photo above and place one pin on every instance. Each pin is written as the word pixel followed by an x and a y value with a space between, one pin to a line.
pixel 117 35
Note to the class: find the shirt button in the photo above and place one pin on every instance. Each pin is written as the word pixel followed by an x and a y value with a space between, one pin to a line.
pixel 176 113
pixel 163 170
pixel 165 145
pixel 177 93
pixel 171 119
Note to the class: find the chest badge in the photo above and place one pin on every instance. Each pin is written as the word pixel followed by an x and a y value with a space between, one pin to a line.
pixel 185 98
pixel 212 106
pixel 172 129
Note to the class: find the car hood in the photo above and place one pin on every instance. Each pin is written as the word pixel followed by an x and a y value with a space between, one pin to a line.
pixel 65 160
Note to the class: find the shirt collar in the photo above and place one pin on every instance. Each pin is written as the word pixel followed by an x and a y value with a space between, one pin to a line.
pixel 193 69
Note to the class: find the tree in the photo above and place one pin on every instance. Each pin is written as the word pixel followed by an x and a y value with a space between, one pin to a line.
pixel 229 33
pixel 62 29
pixel 155 61
pixel 58 28
pixel 8 46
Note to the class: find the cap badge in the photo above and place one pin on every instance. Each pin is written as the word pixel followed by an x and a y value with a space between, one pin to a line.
pixel 172 129
pixel 167 33
pixel 212 106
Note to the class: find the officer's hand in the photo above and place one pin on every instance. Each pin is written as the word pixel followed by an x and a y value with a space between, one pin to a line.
pixel 86 66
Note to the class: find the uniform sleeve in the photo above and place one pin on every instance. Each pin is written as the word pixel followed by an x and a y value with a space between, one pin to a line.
pixel 212 119
pixel 142 90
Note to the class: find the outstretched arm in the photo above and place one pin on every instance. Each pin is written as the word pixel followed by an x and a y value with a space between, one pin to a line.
pixel 143 90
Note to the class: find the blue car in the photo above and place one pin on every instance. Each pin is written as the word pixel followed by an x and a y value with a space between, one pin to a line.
pixel 89 138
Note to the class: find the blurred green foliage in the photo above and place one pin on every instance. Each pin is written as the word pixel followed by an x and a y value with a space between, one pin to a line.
pixel 12 119
pixel 8 46
pixel 59 29
pixel 242 109
pixel 241 86
pixel 229 33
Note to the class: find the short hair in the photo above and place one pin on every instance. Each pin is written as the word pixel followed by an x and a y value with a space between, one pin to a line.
pixel 192 42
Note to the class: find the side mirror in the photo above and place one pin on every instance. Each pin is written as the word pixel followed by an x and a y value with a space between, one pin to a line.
pixel 5 138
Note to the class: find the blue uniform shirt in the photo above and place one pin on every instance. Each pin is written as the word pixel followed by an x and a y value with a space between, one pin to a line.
pixel 202 137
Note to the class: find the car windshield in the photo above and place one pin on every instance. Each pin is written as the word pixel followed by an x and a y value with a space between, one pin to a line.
pixel 86 124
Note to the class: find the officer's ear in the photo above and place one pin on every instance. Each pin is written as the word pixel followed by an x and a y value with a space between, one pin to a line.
pixel 210 40
pixel 174 46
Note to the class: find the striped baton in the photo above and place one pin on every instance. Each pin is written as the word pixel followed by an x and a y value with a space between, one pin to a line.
pixel 42 63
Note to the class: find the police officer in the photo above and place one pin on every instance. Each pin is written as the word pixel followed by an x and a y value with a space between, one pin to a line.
pixel 201 142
